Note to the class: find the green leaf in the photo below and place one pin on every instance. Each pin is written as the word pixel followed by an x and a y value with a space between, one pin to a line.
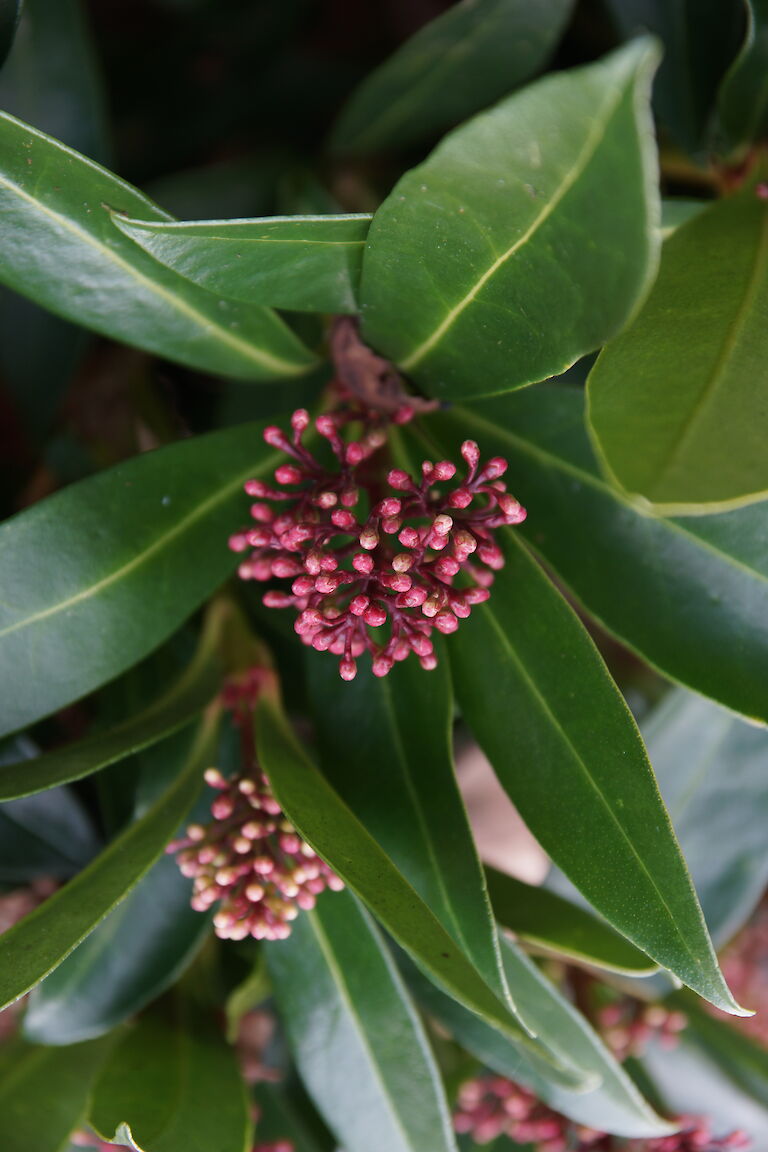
pixel 194 689
pixel 455 65
pixel 39 943
pixel 711 769
pixel 550 923
pixel 323 819
pixel 543 707
pixel 44 1093
pixel 173 1085
pixel 408 799
pixel 676 211
pixel 356 1038
pixel 62 250
pixel 690 595
pixel 525 240
pixel 612 1103
pixel 303 263
pixel 672 402
pixel 742 104
pixel 125 963
pixel 138 548
pixel 281 1117
pixel 699 39
pixel 52 78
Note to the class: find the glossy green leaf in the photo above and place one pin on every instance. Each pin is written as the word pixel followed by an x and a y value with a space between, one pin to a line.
pixel 407 798
pixel 138 548
pixel 455 65
pixel 45 835
pixel 44 1093
pixel 334 832
pixel 542 705
pixel 356 1038
pixel 62 250
pixel 673 405
pixel 711 767
pixel 124 964
pixel 552 924
pixel 612 1103
pixel 52 80
pixel 700 38
pixel 525 240
pixel 194 689
pixel 303 263
pixel 39 943
pixel 173 1085
pixel 677 210
pixel 690 594
pixel 742 105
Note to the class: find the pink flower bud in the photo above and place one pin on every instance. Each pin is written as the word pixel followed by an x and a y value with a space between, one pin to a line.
pixel 255 487
pixel 444 470
pixel 471 453
pixel 275 437
pixel 396 478
pixel 288 474
pixel 363 563
pixel 442 524
pixel 369 537
pixel 343 519
pixel 381 666
pixel 375 615
pixel 402 562
pixel 238 542
pixel 460 498
pixel 300 420
pixel 446 622
pixel 347 671
pixel 409 538
pixel 495 467
pixel 354 454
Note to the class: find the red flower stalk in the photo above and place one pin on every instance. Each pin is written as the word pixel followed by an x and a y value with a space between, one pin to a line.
pixel 492 1106
pixel 249 859
pixel 367 547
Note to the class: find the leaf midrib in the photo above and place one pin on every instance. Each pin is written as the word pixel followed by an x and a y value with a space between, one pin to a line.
pixel 337 975
pixel 198 513
pixel 594 137
pixel 203 322
pixel 581 764
pixel 559 464
pixel 719 371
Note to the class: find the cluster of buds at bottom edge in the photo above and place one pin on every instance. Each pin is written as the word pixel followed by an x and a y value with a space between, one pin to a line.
pixel 374 553
pixel 492 1106
pixel 627 1026
pixel 251 861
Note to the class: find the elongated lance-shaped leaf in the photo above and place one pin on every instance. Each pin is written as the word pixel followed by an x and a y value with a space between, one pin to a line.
pixel 742 103
pixel 399 726
pixel 173 1084
pixel 537 696
pixel 49 834
pixel 195 688
pixel 62 250
pixel 335 833
pixel 525 240
pixel 689 594
pixel 711 768
pixel 457 64
pixel 39 942
pixel 356 1038
pixel 612 1103
pixel 677 417
pixel 44 1093
pixel 138 548
pixel 303 263
pixel 550 923
pixel 132 956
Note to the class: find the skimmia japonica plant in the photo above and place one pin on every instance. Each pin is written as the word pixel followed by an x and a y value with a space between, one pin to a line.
pixel 383 414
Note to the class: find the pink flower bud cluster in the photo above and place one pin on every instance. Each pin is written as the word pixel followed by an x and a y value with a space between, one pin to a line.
pixel 372 553
pixel 251 861
pixel 492 1106
pixel 745 967
pixel 627 1026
